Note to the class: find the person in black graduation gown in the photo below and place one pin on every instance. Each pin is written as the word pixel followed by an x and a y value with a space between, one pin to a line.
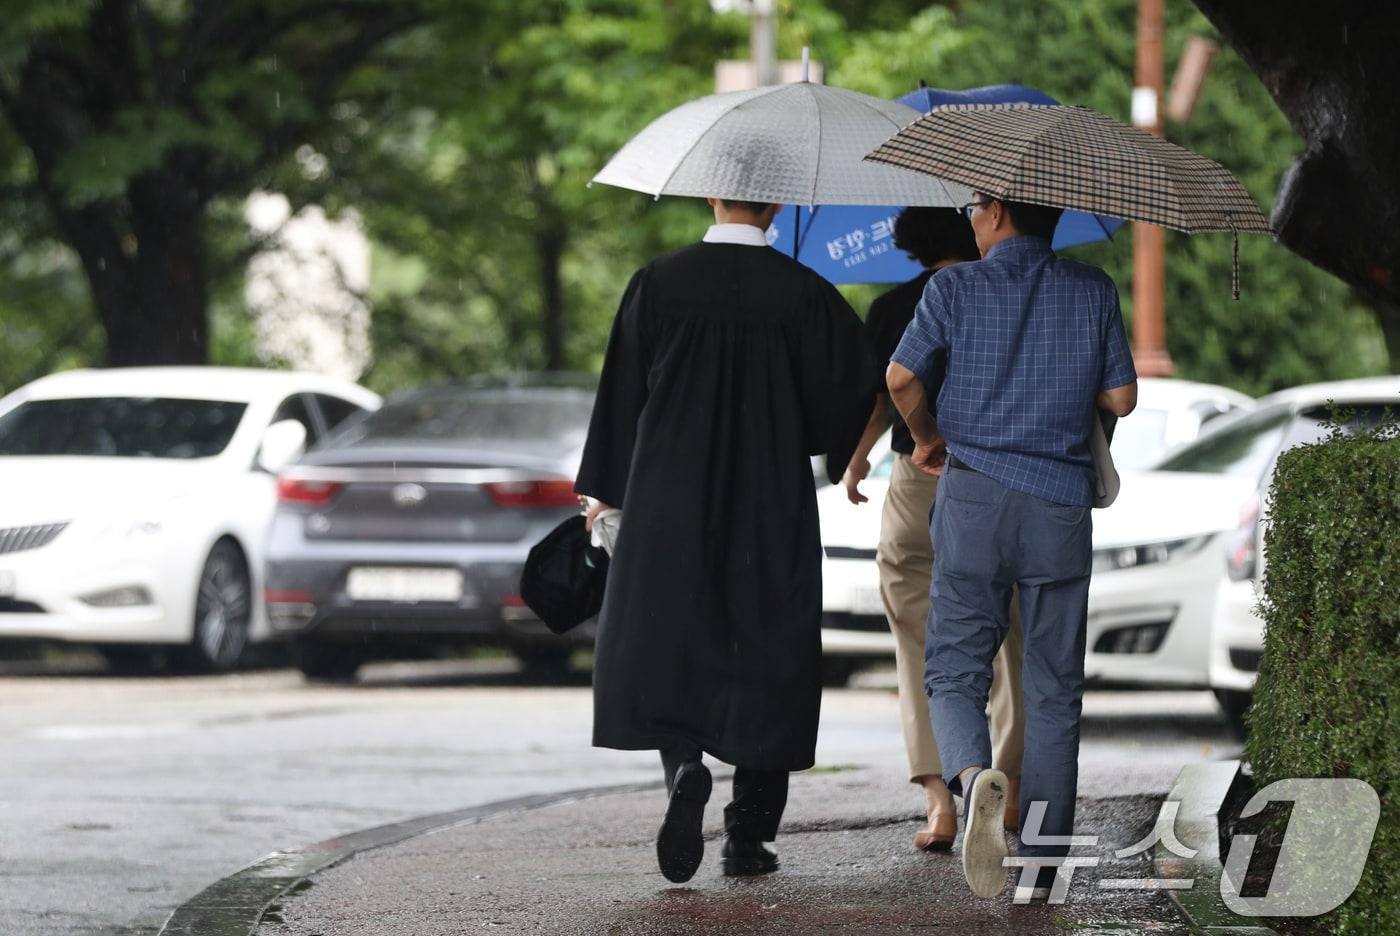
pixel 729 365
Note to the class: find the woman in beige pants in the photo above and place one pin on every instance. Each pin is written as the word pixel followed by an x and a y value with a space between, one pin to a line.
pixel 936 237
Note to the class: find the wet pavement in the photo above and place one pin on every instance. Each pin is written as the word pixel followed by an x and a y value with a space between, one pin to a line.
pixel 121 799
pixel 589 867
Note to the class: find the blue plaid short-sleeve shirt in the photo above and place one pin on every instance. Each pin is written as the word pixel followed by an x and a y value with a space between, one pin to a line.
pixel 1031 339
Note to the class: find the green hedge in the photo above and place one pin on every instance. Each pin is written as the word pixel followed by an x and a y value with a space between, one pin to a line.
pixel 1327 703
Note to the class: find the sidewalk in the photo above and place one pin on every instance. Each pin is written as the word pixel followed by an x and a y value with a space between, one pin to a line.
pixel 589 867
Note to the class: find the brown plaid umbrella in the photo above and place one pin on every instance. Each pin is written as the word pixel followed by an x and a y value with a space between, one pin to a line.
pixel 1074 157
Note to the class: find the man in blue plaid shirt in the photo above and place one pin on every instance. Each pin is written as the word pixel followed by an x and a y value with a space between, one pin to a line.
pixel 1035 346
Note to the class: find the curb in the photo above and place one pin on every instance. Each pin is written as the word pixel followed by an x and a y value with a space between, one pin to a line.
pixel 1200 789
pixel 234 906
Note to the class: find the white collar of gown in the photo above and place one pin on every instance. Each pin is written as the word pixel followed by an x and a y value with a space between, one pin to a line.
pixel 745 234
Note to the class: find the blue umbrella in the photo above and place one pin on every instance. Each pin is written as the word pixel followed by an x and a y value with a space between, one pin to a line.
pixel 855 243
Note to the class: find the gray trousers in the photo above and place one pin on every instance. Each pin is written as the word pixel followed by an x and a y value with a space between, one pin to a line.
pixel 986 539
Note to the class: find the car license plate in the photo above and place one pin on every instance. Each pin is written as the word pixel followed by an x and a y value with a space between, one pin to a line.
pixel 8 587
pixel 866 601
pixel 404 585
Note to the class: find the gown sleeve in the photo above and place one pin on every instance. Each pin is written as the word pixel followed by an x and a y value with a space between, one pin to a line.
pixel 840 379
pixel 622 393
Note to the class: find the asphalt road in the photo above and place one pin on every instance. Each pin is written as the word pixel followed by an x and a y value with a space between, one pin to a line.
pixel 121 798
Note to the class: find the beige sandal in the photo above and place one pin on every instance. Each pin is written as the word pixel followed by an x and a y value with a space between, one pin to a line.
pixel 942 829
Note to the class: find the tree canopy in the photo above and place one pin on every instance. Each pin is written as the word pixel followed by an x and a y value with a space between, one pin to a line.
pixel 463 132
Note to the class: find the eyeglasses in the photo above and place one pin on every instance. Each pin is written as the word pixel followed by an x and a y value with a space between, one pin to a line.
pixel 972 205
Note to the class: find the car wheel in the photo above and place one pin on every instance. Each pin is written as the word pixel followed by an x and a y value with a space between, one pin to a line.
pixel 223 611
pixel 1234 703
pixel 322 661
pixel 131 660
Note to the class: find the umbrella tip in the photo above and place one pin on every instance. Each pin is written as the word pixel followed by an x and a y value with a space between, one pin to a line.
pixel 806 61
pixel 922 84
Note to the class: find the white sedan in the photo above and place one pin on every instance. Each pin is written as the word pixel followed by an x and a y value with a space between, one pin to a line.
pixel 1285 420
pixel 1169 412
pixel 1177 558
pixel 136 503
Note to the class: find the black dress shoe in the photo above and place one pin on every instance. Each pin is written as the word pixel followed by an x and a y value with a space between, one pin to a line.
pixel 740 857
pixel 680 844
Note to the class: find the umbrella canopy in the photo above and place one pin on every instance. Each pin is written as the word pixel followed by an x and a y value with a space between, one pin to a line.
pixel 1074 157
pixel 849 244
pixel 788 144
pixel 926 99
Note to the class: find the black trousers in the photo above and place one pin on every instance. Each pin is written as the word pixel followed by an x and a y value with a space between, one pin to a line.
pixel 760 796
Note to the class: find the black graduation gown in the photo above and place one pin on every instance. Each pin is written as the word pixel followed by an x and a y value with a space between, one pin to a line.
pixel 728 367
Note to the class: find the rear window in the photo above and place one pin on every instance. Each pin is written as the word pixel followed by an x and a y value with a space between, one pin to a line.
pixel 1244 449
pixel 1248 448
pixel 517 415
pixel 120 427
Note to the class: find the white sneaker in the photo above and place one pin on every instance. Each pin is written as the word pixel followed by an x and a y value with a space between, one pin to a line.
pixel 984 838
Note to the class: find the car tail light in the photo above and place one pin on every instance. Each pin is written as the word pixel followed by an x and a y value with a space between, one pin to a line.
pixel 308 493
pixel 551 493
pixel 1242 561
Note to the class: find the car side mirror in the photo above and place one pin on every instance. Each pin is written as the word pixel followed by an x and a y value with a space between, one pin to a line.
pixel 282 443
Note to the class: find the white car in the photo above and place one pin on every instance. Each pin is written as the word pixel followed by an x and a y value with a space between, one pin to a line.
pixel 137 500
pixel 1284 420
pixel 1169 412
pixel 1176 558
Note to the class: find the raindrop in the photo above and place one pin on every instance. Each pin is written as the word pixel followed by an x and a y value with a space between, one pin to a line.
pixel 278 97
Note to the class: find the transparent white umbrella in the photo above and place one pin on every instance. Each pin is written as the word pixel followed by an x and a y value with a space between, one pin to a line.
pixel 796 144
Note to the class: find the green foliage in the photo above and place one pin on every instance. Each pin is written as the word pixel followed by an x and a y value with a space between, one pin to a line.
pixel 25 19
pixel 46 323
pixel 1327 703
pixel 466 144
pixel 475 190
pixel 1294 323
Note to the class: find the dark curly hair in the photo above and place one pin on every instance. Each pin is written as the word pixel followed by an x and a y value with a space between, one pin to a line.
pixel 933 234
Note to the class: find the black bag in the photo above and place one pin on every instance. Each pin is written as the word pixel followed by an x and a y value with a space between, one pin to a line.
pixel 564 577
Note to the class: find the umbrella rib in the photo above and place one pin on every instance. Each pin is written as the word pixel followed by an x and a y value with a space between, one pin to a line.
pixel 680 161
pixel 942 184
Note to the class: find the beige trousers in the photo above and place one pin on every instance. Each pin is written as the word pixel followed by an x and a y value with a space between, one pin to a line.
pixel 905 559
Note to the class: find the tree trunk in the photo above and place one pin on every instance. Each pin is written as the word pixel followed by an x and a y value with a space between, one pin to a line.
pixel 156 310
pixel 1390 328
pixel 549 245
pixel 1338 206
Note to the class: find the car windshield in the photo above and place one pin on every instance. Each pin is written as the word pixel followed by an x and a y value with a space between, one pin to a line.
pixel 120 427
pixel 1243 449
pixel 525 415
pixel 1140 439
pixel 1316 423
